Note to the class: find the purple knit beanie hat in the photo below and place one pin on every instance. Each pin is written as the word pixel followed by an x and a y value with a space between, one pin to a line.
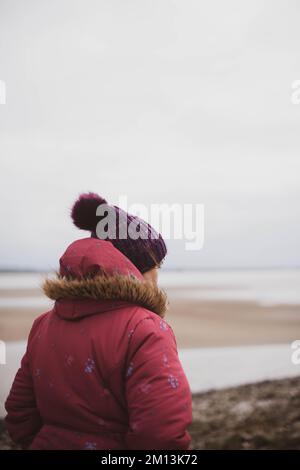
pixel 145 252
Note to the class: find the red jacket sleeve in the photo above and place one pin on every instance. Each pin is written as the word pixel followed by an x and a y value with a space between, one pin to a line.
pixel 22 420
pixel 157 392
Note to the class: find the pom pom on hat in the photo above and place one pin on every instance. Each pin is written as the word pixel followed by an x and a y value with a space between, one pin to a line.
pixel 83 212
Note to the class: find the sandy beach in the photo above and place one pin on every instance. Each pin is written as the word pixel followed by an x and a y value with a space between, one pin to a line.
pixel 207 309
pixel 197 323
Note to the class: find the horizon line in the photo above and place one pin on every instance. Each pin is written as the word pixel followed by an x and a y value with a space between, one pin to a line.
pixel 14 270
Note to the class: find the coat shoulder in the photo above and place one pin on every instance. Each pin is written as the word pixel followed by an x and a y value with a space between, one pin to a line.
pixel 139 314
pixel 37 323
pixel 146 321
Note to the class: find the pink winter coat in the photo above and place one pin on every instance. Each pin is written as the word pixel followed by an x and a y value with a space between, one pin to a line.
pixel 101 370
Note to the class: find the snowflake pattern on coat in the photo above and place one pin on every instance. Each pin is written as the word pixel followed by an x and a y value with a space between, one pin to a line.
pixel 90 446
pixel 173 381
pixel 165 360
pixel 129 370
pixel 89 366
pixel 163 325
pixel 145 387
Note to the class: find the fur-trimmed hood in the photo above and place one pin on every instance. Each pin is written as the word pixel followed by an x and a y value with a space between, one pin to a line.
pixel 103 288
pixel 95 277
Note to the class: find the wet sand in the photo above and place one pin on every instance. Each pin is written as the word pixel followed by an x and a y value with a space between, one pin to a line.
pixel 196 323
pixel 223 323
pixel 20 292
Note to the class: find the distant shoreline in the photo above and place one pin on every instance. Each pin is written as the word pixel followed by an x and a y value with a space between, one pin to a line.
pixel 169 269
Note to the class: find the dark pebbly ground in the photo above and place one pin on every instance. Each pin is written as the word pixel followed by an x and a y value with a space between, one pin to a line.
pixel 265 415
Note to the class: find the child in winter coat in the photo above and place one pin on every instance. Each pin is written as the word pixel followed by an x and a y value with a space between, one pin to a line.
pixel 101 369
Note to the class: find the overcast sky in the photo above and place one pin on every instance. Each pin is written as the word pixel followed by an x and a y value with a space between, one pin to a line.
pixel 167 101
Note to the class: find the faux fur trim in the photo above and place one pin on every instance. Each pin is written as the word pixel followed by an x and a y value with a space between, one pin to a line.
pixel 108 287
